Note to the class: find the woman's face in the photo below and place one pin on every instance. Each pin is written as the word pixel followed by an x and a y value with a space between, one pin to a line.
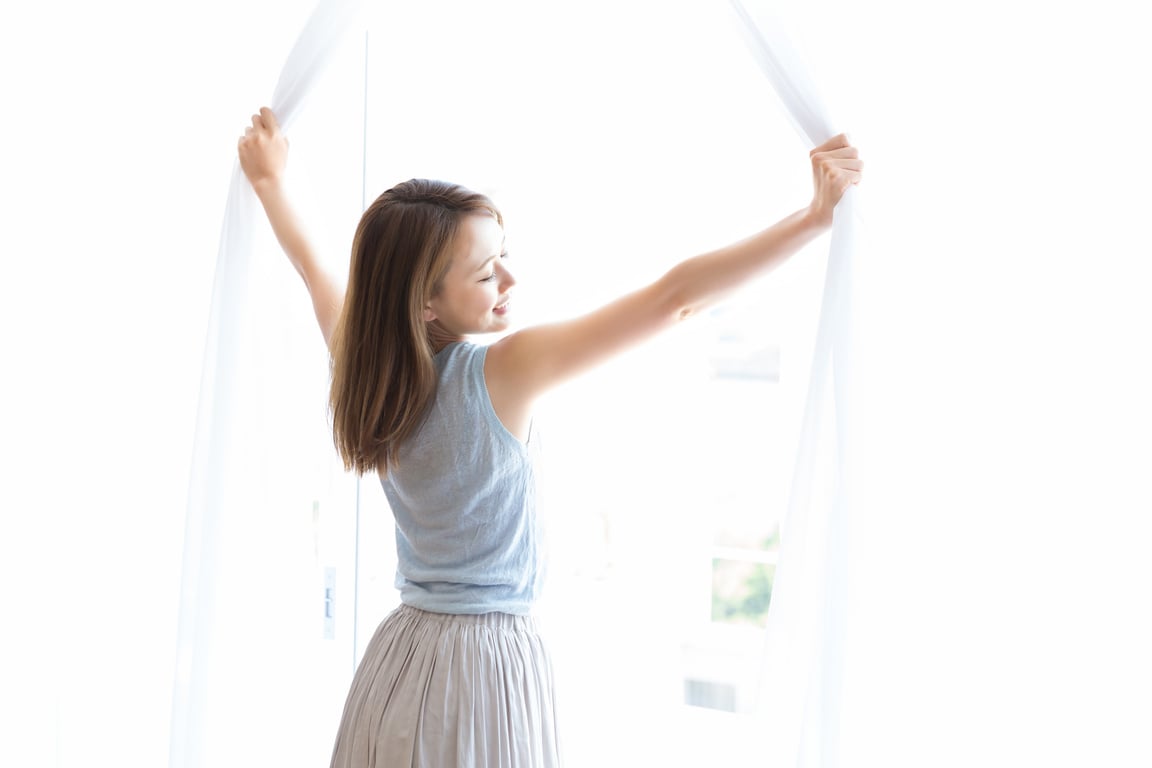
pixel 473 298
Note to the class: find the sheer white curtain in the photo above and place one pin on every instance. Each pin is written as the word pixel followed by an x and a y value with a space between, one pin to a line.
pixel 270 520
pixel 802 682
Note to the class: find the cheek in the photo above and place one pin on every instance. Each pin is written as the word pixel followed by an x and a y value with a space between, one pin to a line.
pixel 485 298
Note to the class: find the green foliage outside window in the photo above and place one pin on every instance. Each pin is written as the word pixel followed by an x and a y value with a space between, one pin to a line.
pixel 741 589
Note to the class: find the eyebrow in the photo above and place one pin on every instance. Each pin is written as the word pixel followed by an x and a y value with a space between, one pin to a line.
pixel 490 259
pixel 486 262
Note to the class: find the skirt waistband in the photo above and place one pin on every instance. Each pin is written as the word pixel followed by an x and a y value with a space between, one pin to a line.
pixel 493 620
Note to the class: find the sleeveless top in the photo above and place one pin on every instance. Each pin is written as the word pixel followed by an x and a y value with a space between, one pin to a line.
pixel 463 493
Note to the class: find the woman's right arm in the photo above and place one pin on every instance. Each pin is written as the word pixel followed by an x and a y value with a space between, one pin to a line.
pixel 263 154
pixel 527 363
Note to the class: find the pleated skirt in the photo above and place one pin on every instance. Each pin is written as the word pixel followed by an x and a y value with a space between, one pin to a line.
pixel 451 691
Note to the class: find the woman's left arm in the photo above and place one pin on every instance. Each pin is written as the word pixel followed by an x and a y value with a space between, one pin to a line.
pixel 264 156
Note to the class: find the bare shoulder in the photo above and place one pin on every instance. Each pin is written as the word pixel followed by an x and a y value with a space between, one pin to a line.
pixel 524 365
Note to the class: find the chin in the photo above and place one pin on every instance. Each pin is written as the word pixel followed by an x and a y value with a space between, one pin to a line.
pixel 499 324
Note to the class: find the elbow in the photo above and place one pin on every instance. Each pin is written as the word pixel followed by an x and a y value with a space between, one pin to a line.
pixel 681 299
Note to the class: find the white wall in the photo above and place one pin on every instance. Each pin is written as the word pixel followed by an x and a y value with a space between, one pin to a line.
pixel 1002 334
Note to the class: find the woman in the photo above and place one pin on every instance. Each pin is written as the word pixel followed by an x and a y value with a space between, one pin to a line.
pixel 457 675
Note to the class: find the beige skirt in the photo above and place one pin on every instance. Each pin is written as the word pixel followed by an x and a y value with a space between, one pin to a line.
pixel 441 690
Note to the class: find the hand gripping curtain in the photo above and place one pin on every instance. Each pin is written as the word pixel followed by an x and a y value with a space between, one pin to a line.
pixel 241 682
pixel 801 683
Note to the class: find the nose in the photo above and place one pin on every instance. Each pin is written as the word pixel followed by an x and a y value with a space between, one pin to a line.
pixel 506 278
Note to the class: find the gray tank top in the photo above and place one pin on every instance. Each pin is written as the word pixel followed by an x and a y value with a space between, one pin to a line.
pixel 463 493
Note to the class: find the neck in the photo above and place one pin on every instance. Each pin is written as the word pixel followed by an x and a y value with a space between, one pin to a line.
pixel 439 337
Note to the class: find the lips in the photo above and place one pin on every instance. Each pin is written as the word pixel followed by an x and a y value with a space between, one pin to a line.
pixel 500 309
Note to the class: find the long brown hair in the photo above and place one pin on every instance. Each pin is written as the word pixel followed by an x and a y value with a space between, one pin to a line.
pixel 383 374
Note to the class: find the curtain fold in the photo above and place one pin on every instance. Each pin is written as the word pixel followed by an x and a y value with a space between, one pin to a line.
pixel 249 563
pixel 802 675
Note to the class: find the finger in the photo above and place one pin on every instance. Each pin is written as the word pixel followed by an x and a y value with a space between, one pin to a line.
pixel 842 152
pixel 831 171
pixel 257 122
pixel 269 119
pixel 836 142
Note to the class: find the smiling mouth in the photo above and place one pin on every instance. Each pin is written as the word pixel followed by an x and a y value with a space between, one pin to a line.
pixel 501 307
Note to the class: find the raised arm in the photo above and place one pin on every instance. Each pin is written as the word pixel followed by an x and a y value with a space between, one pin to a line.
pixel 264 156
pixel 527 363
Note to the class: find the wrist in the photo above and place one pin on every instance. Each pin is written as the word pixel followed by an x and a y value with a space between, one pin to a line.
pixel 266 186
pixel 816 217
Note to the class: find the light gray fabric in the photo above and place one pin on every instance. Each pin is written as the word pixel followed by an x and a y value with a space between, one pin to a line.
pixel 463 493
pixel 439 690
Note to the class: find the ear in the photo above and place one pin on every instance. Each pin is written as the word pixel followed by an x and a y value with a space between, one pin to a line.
pixel 429 315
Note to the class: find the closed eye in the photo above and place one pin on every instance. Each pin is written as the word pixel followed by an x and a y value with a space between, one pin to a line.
pixel 492 276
